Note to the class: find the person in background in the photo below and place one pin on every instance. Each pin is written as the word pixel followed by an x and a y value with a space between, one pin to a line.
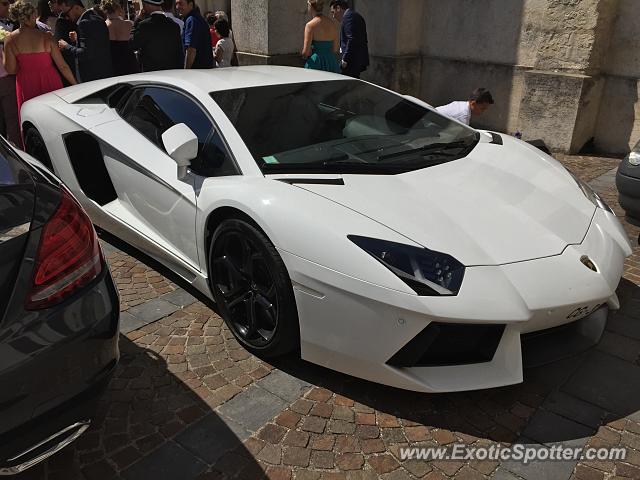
pixel 479 101
pixel 137 11
pixel 124 61
pixel 9 126
pixel 196 38
pixel 157 39
pixel 320 40
pixel 55 10
pixel 223 52
pixel 222 15
pixel 92 49
pixel 98 9
pixel 211 20
pixel 167 6
pixel 46 20
pixel 61 31
pixel 31 54
pixel 354 45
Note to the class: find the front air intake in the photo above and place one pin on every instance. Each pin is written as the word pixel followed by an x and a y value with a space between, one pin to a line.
pixel 442 344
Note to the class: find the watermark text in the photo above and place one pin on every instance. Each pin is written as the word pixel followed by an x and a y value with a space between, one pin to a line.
pixel 518 453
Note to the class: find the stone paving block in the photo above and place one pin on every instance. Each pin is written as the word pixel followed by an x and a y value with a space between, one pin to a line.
pixel 574 409
pixel 502 474
pixel 107 248
pixel 129 323
pixel 285 386
pixel 624 325
pixel 169 462
pixel 537 469
pixel 557 375
pixel 608 382
pixel 211 437
pixel 253 408
pixel 547 427
pixel 620 346
pixel 153 310
pixel 179 297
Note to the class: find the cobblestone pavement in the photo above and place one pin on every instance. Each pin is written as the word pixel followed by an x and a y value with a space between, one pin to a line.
pixel 188 402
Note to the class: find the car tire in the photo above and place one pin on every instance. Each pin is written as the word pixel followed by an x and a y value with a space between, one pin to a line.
pixel 253 290
pixel 34 145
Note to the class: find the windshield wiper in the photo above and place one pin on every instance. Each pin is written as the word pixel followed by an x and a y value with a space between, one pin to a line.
pixel 342 158
pixel 439 148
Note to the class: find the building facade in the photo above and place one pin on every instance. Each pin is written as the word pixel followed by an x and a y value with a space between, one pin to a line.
pixel 565 71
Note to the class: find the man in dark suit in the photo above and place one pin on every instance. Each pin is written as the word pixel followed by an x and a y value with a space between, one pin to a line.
pixel 157 39
pixel 354 46
pixel 61 32
pixel 92 50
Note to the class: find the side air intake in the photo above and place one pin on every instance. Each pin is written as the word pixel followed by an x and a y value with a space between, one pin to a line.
pixel 441 344
pixel 88 165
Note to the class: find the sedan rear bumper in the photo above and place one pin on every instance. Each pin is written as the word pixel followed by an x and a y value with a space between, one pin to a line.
pixel 46 448
pixel 629 197
pixel 53 392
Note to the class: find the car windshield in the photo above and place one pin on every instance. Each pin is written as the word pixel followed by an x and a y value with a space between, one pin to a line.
pixel 341 126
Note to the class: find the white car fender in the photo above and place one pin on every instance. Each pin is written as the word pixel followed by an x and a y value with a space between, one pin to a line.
pixel 303 224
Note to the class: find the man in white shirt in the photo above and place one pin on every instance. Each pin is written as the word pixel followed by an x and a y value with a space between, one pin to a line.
pixel 479 101
pixel 9 126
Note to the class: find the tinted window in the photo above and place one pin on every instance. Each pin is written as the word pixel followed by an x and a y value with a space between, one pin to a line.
pixel 342 126
pixel 153 110
pixel 11 170
pixel 7 174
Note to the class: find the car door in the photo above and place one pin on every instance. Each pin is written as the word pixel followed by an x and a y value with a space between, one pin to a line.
pixel 151 196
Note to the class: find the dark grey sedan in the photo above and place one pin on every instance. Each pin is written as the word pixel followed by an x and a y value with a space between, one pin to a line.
pixel 628 183
pixel 59 315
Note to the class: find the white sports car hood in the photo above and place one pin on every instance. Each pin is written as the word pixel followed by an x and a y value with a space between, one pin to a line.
pixel 501 204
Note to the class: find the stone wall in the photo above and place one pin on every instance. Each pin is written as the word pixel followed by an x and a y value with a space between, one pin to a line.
pixel 214 5
pixel 269 31
pixel 565 71
pixel 618 126
pixel 467 45
pixel 394 31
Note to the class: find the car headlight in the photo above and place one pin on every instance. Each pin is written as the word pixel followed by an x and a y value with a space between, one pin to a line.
pixel 427 272
pixel 591 194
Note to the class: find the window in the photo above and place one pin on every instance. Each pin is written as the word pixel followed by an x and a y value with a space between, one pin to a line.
pixel 153 110
pixel 341 126
pixel 11 170
pixel 7 174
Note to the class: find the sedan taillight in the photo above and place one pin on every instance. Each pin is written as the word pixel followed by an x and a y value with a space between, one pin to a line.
pixel 69 255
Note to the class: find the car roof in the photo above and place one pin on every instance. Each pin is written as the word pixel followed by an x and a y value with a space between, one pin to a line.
pixel 210 80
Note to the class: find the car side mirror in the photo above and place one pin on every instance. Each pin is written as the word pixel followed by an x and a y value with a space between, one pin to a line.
pixel 182 145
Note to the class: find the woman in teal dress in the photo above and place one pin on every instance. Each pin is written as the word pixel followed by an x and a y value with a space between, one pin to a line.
pixel 320 40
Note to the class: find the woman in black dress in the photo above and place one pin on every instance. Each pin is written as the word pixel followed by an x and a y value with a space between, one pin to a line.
pixel 124 61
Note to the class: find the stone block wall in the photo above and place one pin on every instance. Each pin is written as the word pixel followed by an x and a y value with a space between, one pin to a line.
pixel 566 71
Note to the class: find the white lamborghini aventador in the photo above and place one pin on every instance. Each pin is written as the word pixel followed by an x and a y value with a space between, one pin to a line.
pixel 334 216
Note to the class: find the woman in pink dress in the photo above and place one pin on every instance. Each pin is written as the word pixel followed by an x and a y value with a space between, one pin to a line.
pixel 30 54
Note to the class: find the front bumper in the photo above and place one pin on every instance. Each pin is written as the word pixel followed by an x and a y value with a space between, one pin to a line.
pixel 357 327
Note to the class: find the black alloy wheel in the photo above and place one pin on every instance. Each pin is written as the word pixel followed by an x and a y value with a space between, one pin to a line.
pixel 252 289
pixel 34 145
